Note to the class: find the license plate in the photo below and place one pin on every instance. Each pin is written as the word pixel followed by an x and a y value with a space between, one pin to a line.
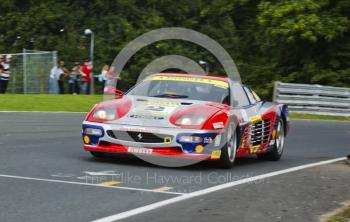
pixel 139 150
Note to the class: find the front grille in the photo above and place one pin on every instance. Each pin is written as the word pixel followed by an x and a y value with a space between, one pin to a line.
pixel 260 132
pixel 141 137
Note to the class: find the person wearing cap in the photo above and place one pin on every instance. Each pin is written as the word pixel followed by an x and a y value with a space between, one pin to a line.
pixel 5 74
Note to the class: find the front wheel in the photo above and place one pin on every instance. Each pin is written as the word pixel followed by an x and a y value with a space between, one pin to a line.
pixel 277 149
pixel 228 152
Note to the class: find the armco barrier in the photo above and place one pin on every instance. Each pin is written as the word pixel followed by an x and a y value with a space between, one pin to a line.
pixel 313 99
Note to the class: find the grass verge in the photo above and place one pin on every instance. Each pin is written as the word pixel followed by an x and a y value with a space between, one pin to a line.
pixel 342 216
pixel 319 117
pixel 68 103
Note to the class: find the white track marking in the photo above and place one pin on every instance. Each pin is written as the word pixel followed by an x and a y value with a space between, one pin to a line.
pixel 163 203
pixel 162 189
pixel 88 184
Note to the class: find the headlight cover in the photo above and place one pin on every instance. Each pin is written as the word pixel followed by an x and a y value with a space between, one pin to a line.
pixel 190 120
pixel 104 114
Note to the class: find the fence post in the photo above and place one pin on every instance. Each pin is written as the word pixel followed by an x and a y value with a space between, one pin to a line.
pixel 54 58
pixel 25 71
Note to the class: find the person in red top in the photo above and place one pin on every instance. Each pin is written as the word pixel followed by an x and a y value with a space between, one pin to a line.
pixel 85 71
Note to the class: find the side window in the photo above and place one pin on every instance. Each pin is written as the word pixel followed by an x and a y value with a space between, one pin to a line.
pixel 250 95
pixel 256 96
pixel 239 97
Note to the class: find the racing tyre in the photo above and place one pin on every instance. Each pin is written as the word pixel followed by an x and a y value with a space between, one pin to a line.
pixel 98 154
pixel 228 152
pixel 276 153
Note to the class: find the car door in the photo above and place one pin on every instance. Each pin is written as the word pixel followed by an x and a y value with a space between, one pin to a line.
pixel 260 121
pixel 252 127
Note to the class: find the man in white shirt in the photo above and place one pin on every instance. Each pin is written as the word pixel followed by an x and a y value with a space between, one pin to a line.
pixel 55 75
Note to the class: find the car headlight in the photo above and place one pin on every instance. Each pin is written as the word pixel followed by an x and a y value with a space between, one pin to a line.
pixel 93 131
pixel 190 120
pixel 104 114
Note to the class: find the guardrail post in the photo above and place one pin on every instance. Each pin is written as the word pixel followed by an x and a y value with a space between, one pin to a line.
pixel 275 91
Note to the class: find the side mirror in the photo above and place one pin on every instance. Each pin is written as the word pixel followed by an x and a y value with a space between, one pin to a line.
pixel 118 94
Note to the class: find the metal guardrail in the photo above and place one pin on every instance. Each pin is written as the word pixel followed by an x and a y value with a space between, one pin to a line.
pixel 313 99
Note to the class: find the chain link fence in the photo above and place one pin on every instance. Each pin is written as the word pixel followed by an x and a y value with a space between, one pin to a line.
pixel 30 71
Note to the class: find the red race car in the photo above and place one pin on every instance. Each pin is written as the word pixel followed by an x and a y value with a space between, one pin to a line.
pixel 187 116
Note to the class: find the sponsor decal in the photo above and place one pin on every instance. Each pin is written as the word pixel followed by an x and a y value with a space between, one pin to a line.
pixel 140 150
pixel 216 154
pixel 214 82
pixel 140 116
pixel 155 108
pixel 218 125
pixel 139 129
pixel 254 149
pixel 161 103
pixel 207 140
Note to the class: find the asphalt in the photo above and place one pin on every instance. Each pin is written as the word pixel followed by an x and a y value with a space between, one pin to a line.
pixel 299 196
pixel 48 146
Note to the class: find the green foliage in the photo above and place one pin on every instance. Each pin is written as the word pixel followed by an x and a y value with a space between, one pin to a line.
pixel 302 19
pixel 292 40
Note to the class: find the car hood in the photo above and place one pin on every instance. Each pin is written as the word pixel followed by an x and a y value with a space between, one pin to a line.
pixel 156 112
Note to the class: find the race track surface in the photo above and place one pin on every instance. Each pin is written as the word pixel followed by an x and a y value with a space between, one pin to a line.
pixel 46 176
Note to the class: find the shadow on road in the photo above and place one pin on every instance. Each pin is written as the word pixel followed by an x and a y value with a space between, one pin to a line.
pixel 130 160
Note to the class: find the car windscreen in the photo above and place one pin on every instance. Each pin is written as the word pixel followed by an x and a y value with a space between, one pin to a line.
pixel 187 89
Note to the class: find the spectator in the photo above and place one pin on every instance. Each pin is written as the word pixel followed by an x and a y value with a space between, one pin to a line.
pixel 85 71
pixel 56 78
pixel 1 71
pixel 5 73
pixel 73 79
pixel 103 77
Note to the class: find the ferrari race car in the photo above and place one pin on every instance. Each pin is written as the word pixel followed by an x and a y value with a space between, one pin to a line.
pixel 187 116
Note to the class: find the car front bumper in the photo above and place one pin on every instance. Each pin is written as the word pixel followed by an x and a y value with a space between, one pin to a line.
pixel 208 148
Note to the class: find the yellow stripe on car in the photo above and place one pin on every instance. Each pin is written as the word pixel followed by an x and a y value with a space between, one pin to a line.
pixel 214 82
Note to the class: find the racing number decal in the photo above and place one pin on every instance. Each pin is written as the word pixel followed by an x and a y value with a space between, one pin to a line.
pixel 254 149
pixel 216 154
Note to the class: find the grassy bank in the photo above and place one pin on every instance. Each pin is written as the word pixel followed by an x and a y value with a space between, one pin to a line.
pixel 71 103
pixel 342 216
pixel 319 117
